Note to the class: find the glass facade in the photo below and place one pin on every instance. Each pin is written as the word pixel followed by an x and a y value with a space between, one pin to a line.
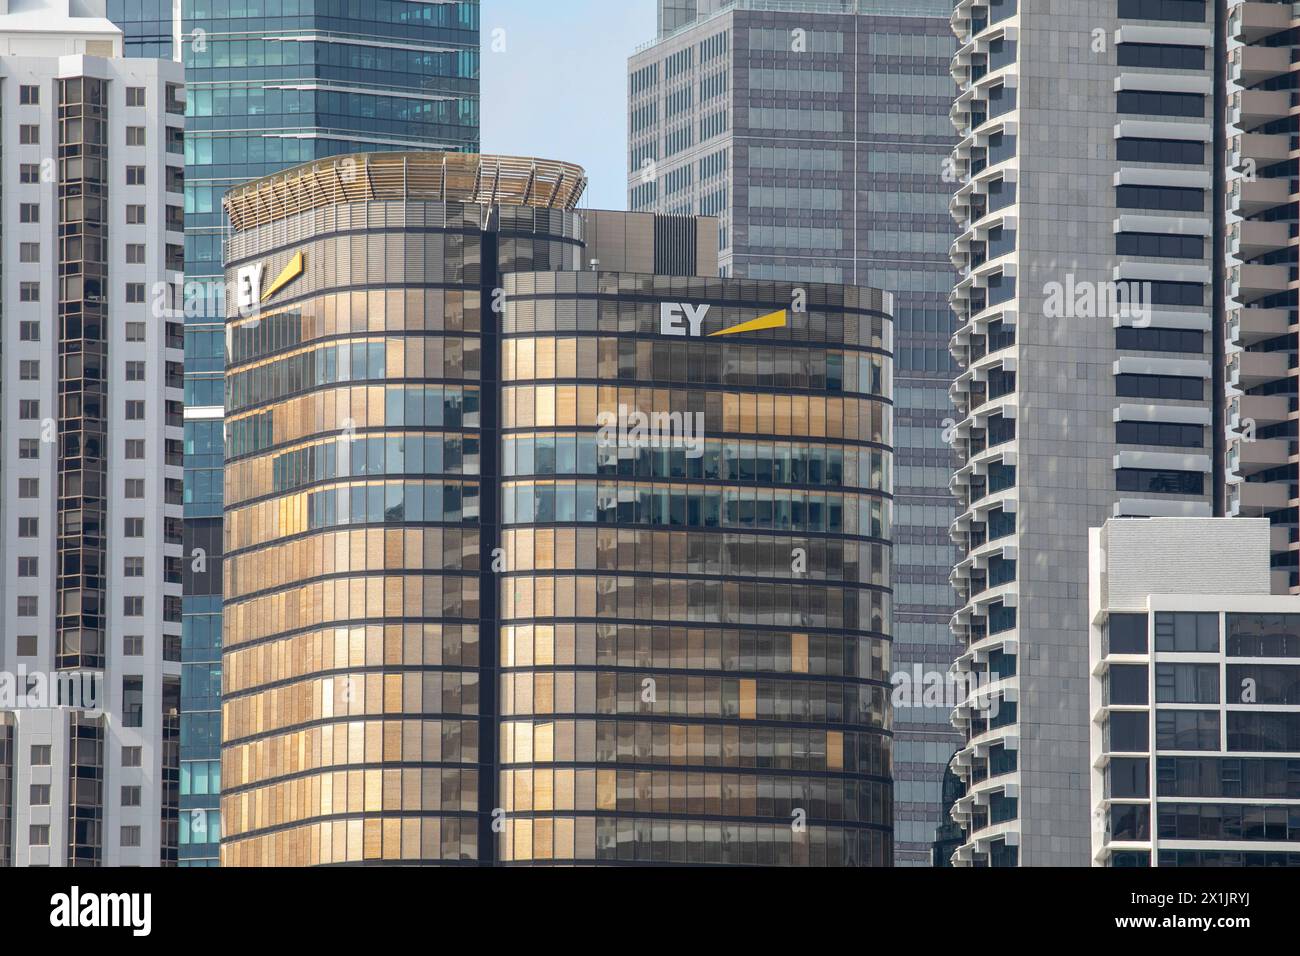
pixel 1198 739
pixel 694 647
pixel 357 717
pixel 148 27
pixel 81 623
pixel 200 721
pixel 464 622
pixel 275 83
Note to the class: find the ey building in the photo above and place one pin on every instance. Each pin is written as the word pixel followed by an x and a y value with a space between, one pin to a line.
pixel 531 561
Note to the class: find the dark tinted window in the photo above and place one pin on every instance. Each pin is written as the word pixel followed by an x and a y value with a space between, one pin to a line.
pixel 1163 434
pixel 1159 340
pixel 1127 633
pixel 1158 244
pixel 1129 731
pixel 1187 730
pixel 1165 56
pixel 1160 103
pixel 1181 632
pixel 1152 482
pixel 1177 293
pixel 1228 777
pixel 1138 150
pixel 1160 386
pixel 1263 684
pixel 1259 731
pixel 1130 821
pixel 1263 635
pixel 1129 777
pixel 1131 859
pixel 1228 821
pixel 1182 11
pixel 1187 683
pixel 1172 198
pixel 1128 684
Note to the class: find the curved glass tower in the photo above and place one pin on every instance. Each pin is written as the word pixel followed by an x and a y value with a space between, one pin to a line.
pixel 695 607
pixel 355 710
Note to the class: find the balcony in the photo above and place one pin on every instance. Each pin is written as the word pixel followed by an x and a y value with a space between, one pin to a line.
pixel 959 350
pixel 1253 198
pixel 1252 108
pixel 1263 148
pixel 1251 369
pixel 1251 21
pixel 175 100
pixel 1248 326
pixel 1255 498
pixel 1251 238
pixel 1252 457
pixel 175 336
pixel 1252 65
pixel 1261 409
pixel 1251 282
pixel 1002 100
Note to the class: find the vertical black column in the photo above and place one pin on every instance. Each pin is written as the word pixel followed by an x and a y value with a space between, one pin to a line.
pixel 489 540
pixel 80 598
pixel 80 601
pixel 7 783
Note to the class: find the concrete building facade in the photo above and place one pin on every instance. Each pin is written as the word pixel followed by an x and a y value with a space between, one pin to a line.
pixel 1263 277
pixel 92 156
pixel 1194 697
pixel 1089 334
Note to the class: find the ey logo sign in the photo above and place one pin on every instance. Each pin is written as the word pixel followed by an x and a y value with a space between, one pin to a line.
pixel 685 319
pixel 249 292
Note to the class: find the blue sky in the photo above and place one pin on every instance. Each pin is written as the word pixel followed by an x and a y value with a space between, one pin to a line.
pixel 558 89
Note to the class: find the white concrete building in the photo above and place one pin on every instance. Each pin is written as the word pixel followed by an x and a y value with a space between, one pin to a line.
pixel 1194 695
pixel 92 219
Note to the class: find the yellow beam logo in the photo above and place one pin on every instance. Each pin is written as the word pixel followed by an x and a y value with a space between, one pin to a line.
pixel 773 320
pixel 287 275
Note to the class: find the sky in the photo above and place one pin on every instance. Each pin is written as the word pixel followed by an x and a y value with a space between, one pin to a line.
pixel 554 84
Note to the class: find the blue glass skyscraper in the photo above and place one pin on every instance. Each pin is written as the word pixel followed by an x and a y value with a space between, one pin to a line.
pixel 149 25
pixel 274 83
